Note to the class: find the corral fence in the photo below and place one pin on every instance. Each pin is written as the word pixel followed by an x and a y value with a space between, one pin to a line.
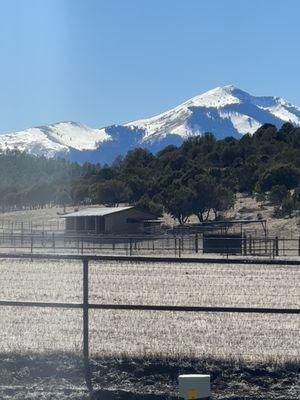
pixel 85 305
pixel 194 245
pixel 25 227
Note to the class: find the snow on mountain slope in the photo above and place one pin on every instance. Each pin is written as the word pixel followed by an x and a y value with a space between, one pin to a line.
pixel 224 111
pixel 52 139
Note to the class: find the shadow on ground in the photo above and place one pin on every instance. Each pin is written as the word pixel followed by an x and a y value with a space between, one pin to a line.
pixel 61 376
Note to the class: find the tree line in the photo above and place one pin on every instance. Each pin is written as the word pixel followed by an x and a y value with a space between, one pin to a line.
pixel 199 177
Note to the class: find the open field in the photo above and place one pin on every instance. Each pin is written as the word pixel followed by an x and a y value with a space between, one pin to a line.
pixel 252 337
pixel 151 340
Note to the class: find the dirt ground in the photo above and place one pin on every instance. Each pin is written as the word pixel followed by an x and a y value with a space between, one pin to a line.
pixel 61 377
pixel 248 208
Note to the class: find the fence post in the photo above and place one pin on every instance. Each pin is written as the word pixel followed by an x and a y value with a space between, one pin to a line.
pixel 31 245
pixel 179 247
pixel 86 324
pixel 22 233
pixel 245 245
pixel 130 246
pixel 277 246
pixel 196 243
pixel 299 246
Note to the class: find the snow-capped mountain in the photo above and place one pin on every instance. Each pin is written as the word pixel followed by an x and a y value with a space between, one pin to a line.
pixel 224 111
pixel 53 139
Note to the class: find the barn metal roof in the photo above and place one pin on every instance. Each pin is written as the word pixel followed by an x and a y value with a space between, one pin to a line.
pixel 96 211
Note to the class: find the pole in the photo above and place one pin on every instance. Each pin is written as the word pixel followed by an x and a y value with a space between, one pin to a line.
pixel 53 241
pixel 245 245
pixel 87 370
pixel 22 233
pixel 276 246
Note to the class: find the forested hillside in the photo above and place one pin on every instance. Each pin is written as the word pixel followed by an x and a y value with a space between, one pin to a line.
pixel 29 182
pixel 199 177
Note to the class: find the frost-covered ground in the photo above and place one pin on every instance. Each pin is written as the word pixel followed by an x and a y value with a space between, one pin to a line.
pixel 249 356
pixel 253 337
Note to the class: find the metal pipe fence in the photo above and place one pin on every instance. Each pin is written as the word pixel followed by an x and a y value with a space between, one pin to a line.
pixel 85 305
pixel 14 226
pixel 168 245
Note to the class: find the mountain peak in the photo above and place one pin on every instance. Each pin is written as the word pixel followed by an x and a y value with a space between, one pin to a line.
pixel 224 111
pixel 217 97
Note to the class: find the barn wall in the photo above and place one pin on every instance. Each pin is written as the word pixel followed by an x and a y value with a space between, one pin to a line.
pixel 117 222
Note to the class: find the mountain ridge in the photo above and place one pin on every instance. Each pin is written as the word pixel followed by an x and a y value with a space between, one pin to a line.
pixel 224 111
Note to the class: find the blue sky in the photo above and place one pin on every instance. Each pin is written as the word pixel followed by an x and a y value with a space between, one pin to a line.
pixel 103 62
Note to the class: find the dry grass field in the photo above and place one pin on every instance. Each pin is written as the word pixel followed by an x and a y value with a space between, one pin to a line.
pixel 231 339
pixel 253 337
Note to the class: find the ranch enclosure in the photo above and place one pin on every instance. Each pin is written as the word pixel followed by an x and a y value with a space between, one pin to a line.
pixel 137 233
pixel 146 308
pixel 126 347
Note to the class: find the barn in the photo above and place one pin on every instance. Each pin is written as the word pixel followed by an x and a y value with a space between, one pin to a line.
pixel 112 220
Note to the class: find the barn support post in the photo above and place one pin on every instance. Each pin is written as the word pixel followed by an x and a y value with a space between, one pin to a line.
pixel 87 370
